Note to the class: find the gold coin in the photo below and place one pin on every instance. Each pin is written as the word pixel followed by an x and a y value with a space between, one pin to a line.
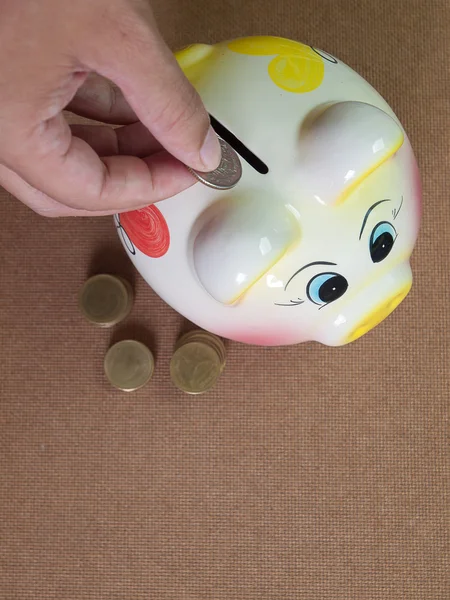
pixel 197 362
pixel 199 335
pixel 129 365
pixel 105 300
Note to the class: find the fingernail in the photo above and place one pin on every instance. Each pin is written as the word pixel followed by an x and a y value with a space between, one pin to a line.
pixel 210 152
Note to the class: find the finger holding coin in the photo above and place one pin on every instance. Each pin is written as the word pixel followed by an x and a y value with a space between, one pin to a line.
pixel 227 174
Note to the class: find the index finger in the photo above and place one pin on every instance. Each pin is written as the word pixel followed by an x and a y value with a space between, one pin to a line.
pixel 154 86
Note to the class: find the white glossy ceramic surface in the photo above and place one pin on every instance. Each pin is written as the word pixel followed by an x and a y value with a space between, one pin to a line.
pixel 318 247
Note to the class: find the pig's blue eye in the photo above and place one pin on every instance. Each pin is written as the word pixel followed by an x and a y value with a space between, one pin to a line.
pixel 326 288
pixel 381 241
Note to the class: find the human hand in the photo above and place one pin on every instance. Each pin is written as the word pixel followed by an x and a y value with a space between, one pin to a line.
pixel 105 60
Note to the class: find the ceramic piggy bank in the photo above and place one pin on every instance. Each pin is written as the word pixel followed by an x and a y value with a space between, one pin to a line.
pixel 314 242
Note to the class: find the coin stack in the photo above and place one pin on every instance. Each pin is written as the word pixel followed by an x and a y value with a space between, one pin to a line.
pixel 106 300
pixel 129 365
pixel 197 362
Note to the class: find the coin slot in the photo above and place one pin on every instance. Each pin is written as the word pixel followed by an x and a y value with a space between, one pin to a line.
pixel 239 147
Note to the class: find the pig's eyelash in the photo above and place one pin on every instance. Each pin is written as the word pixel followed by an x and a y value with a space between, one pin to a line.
pixel 290 303
pixel 397 210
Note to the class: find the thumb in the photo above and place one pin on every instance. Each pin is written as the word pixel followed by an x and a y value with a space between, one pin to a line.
pixel 155 86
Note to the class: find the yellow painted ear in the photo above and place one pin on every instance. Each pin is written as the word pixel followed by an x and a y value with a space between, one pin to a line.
pixel 296 68
pixel 194 60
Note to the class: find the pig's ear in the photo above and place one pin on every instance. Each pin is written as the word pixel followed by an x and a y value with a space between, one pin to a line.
pixel 195 59
pixel 240 243
pixel 342 145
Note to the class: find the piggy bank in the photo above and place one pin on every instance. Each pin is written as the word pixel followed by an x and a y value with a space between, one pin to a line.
pixel 314 242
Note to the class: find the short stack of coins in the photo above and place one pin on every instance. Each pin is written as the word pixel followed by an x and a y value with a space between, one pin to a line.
pixel 106 300
pixel 197 362
pixel 129 365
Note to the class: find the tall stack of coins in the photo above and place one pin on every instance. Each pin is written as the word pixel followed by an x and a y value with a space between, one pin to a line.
pixel 129 365
pixel 105 300
pixel 197 362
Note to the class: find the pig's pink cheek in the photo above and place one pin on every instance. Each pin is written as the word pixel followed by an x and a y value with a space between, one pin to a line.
pixel 255 339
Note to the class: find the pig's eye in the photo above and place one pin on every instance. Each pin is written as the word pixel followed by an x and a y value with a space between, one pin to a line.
pixel 381 241
pixel 326 288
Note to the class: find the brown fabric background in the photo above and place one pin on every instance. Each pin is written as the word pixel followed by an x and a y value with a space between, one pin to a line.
pixel 308 473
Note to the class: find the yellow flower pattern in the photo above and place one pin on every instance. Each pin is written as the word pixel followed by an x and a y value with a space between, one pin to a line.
pixel 295 68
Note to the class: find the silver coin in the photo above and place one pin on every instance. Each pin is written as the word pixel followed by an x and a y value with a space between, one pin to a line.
pixel 227 174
